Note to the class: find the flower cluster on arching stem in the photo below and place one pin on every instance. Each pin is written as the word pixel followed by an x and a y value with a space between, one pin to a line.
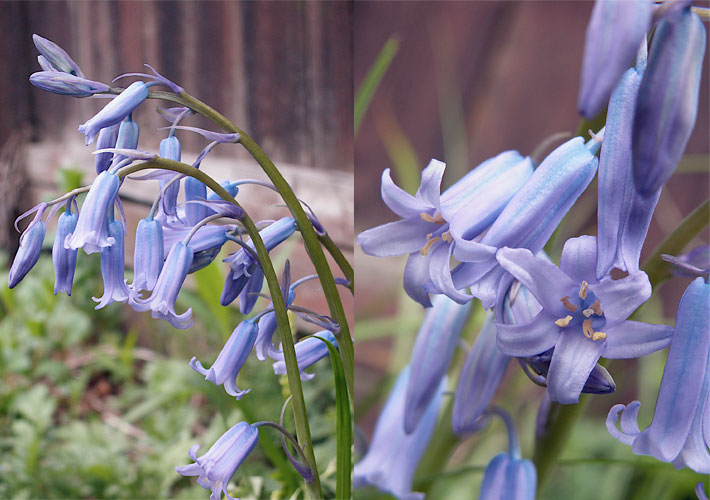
pixel 172 241
pixel 484 238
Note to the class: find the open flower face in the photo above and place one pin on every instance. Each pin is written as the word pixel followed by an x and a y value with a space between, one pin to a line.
pixel 583 319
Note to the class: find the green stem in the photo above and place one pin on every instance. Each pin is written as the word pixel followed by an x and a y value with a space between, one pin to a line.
pixel 310 238
pixel 313 489
pixel 339 259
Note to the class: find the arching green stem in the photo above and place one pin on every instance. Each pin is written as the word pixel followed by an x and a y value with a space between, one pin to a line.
pixel 313 489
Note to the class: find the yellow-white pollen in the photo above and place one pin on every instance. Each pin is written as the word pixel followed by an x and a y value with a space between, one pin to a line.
pixel 587 328
pixel 563 322
pixel 568 305
pixel 437 219
pixel 598 336
pixel 588 312
pixel 429 242
pixel 583 290
pixel 447 237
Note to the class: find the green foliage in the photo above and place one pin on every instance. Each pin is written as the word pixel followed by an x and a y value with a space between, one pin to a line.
pixel 103 404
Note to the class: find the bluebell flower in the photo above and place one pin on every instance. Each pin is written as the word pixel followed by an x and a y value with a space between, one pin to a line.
pixel 479 379
pixel 667 102
pixel 679 430
pixel 205 243
pixel 106 140
pixel 112 268
pixel 308 352
pixel 195 190
pixel 582 318
pixel 431 355
pixel 615 31
pixel 393 455
pixel 231 358
pixel 624 215
pixel 508 476
pixel 245 277
pixel 527 221
pixel 29 251
pixel 231 187
pixel 148 255
pixel 64 259
pixel 170 149
pixel 115 111
pixel 91 232
pixel 66 84
pixel 216 467
pixel 161 303
pixel 430 219
pixel 56 57
pixel 128 132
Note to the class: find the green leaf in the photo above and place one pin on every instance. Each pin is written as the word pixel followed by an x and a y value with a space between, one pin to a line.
pixel 372 79
pixel 343 426
pixel 657 269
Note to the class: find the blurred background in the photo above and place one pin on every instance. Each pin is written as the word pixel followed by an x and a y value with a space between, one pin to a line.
pixel 103 404
pixel 461 82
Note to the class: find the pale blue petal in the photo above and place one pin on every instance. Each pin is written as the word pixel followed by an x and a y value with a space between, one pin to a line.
pixel 396 238
pixel 573 360
pixel 528 339
pixel 632 339
pixel 579 258
pixel 399 201
pixel 620 298
pixel 430 187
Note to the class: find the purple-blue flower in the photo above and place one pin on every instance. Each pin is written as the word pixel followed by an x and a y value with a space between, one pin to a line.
pixel 216 467
pixel 582 318
pixel 680 430
pixel 29 251
pixel 431 356
pixel 308 352
pixel 148 255
pixel 624 215
pixel 667 102
pixel 56 56
pixel 508 476
pixel 393 455
pixel 527 221
pixel 64 259
pixel 91 232
pixel 231 358
pixel 66 84
pixel 170 149
pixel 195 190
pixel 112 268
pixel 245 277
pixel 115 111
pixel 205 243
pixel 479 379
pixel 161 303
pixel 106 140
pixel 430 219
pixel 615 31
pixel 128 132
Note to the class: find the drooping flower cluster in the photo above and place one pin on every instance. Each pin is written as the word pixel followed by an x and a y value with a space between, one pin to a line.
pixel 172 241
pixel 559 320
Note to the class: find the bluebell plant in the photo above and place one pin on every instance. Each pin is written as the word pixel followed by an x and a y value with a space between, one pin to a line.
pixel 485 237
pixel 177 238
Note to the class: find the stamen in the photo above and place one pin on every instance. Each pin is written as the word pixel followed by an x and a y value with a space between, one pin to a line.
pixel 597 308
pixel 588 312
pixel 563 322
pixel 447 237
pixel 587 328
pixel 568 305
pixel 437 219
pixel 429 242
pixel 583 290
pixel 598 336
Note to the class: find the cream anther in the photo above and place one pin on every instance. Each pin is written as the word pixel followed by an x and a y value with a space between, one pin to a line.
pixel 429 242
pixel 583 290
pixel 437 219
pixel 598 336
pixel 563 322
pixel 447 237
pixel 587 328
pixel 588 312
